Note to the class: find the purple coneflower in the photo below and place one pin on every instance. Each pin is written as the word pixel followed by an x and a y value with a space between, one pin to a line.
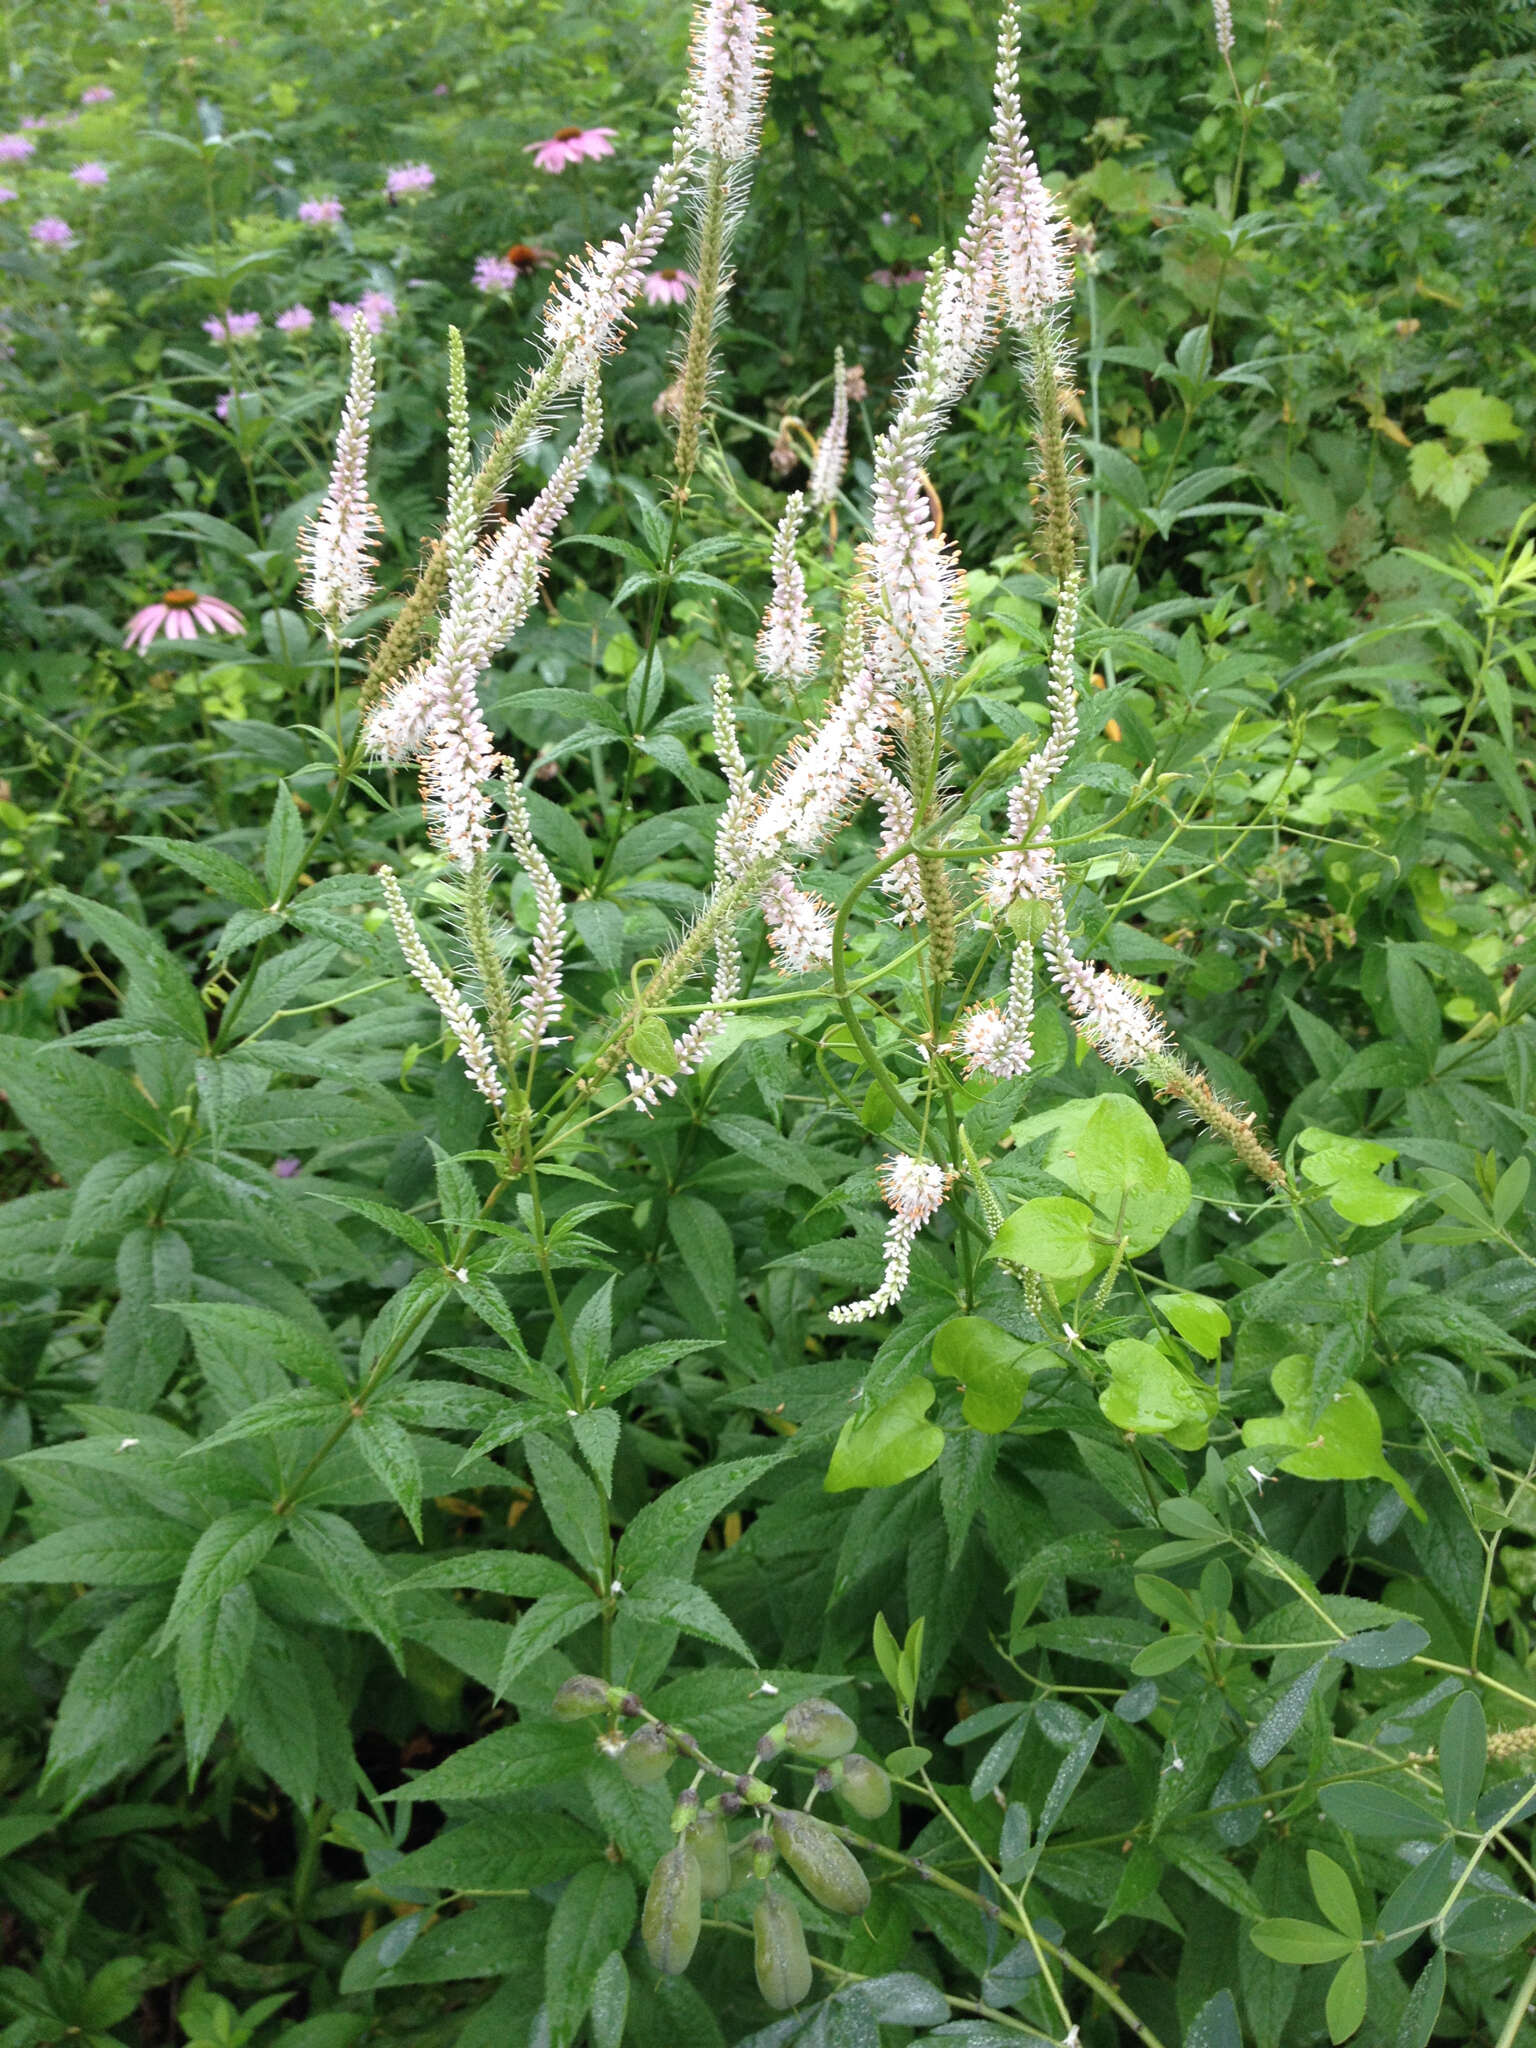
pixel 407 180
pixel 15 149
pixel 320 213
pixel 181 615
pixel 668 287
pixel 91 173
pixel 296 319
pixel 97 95
pixel 569 146
pixel 52 233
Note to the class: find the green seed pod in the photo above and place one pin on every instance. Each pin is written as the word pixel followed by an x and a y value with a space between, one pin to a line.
pixel 711 1845
pixel 579 1697
pixel 817 1728
pixel 644 1759
pixel 779 1951
pixel 864 1787
pixel 820 1861
pixel 669 1925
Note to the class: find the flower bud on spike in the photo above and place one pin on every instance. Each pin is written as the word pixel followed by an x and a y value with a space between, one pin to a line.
pixel 645 1757
pixel 826 1869
pixel 686 1809
pixel 711 1847
pixel 581 1696
pixel 779 1952
pixel 818 1728
pixel 669 1925
pixel 863 1787
pixel 763 1854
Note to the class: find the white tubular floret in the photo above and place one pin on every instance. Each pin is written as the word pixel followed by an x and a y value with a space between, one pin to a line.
pixel 915 1190
pixel 897 818
pixel 510 572
pixel 474 1046
pixel 722 110
pixel 999 1042
pixel 336 546
pixel 789 644
pixel 799 924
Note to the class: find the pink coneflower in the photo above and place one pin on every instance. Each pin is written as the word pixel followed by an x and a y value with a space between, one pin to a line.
pixel 91 173
pixel 495 274
pixel 568 146
pixel 668 287
pixel 294 320
pixel 407 180
pixel 236 402
pixel 97 95
pixel 181 615
pixel 15 149
pixel 52 233
pixel 320 213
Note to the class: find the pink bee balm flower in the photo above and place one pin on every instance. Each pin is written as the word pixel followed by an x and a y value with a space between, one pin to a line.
pixel 97 95
pixel 52 233
pixel 496 274
pixel 237 327
pixel 320 213
pixel 406 180
pixel 181 615
pixel 568 146
pixel 668 287
pixel 294 320
pixel 7 195
pixel 236 402
pixel 15 149
pixel 90 174
pixel 376 308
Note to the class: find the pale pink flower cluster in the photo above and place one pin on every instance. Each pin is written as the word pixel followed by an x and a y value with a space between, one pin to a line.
pixel 242 404
pixel 915 1190
pixel 336 546
pixel 496 274
pixel 584 314
pixel 295 319
pixel 799 924
pixel 321 213
pixel 1226 41
pixel 474 1047
pixel 50 232
pixel 409 181
pixel 728 80
pixel 1000 1042
pixel 789 644
pixel 97 95
pixel 832 449
pixel 90 173
pixel 234 328
pixel 15 149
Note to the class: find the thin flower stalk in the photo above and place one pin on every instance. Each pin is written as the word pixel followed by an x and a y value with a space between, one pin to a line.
pixel 915 1190
pixel 336 545
pixel 474 1047
pixel 789 644
pixel 542 994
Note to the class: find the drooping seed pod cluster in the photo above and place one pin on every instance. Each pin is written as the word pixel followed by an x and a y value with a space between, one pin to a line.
pixel 779 1851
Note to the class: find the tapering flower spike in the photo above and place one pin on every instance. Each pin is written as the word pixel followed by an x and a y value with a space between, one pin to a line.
pixel 1120 1025
pixel 728 80
pixel 541 1002
pixel 1000 1042
pixel 822 772
pixel 474 1046
pixel 336 545
pixel 915 1190
pixel 1226 40
pixel 1034 272
pixel 898 816
pixel 584 315
pixel 788 647
pixel 832 449
pixel 799 924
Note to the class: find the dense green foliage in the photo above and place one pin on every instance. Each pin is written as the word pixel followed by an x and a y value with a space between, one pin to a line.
pixel 1172 1545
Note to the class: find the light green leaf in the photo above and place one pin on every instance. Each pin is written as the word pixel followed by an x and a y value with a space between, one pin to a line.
pixel 1342 1442
pixel 1345 2008
pixel 1199 1320
pixel 890 1444
pixel 993 1366
pixel 1052 1236
pixel 1150 1394
pixel 1334 1893
pixel 1299 1941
